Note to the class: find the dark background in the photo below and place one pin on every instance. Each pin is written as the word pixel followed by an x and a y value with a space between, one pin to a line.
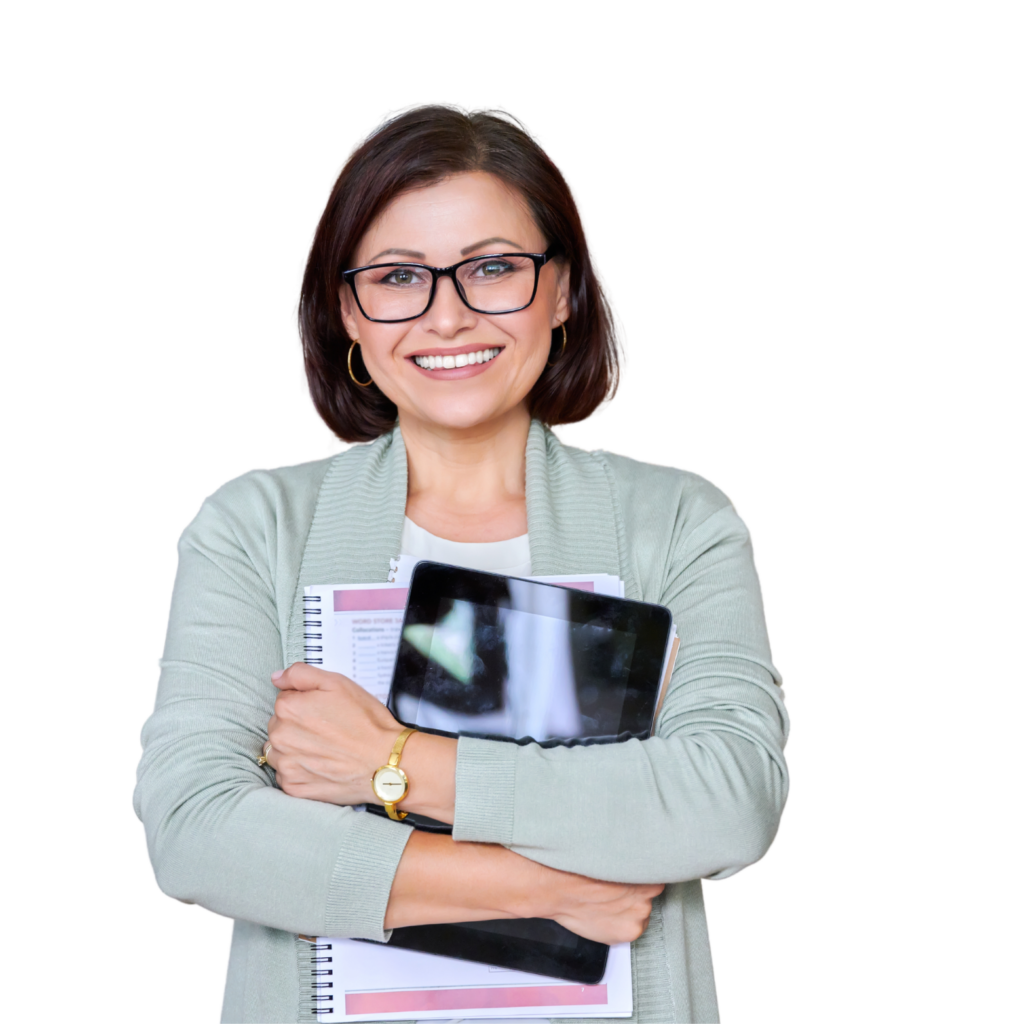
pixel 693 222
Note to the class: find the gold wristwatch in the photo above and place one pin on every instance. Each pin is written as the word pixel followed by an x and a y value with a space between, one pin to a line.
pixel 390 783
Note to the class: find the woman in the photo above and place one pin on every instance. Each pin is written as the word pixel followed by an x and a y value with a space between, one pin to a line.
pixel 453 366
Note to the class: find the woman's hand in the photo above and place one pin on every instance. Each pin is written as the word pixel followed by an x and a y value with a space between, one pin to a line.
pixel 607 912
pixel 328 736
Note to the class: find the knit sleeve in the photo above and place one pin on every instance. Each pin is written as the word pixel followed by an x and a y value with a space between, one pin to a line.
pixel 219 833
pixel 700 798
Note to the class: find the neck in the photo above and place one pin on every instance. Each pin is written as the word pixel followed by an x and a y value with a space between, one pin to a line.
pixel 468 485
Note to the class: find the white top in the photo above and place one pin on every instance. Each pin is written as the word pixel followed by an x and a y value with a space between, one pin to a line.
pixel 509 557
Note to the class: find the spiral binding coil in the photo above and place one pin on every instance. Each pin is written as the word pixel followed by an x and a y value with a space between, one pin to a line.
pixel 319 997
pixel 312 619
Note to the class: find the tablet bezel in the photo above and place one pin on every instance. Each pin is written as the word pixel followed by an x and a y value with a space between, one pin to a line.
pixel 584 963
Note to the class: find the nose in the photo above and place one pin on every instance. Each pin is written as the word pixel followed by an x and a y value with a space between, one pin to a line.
pixel 448 314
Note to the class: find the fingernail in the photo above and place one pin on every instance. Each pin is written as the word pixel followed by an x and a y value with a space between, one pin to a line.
pixel 277 675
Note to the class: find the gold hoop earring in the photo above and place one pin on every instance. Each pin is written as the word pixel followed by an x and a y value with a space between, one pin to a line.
pixel 350 373
pixel 561 351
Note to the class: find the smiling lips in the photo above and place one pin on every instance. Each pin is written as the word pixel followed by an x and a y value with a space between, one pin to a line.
pixel 454 362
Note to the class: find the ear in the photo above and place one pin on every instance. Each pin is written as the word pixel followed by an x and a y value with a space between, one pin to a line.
pixel 562 309
pixel 348 312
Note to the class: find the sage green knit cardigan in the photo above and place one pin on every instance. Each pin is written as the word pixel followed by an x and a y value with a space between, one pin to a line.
pixel 702 798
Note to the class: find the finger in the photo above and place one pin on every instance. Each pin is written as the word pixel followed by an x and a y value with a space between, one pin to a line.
pixel 291 705
pixel 287 763
pixel 301 676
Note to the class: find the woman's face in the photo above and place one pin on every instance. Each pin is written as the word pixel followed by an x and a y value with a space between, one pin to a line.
pixel 465 215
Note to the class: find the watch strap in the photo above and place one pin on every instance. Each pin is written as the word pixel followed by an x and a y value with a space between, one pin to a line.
pixel 396 755
pixel 396 750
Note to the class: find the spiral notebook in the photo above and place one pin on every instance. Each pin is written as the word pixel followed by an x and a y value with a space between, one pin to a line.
pixel 355 630
pixel 364 981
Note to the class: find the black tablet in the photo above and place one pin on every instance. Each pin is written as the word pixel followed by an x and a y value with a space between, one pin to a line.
pixel 511 659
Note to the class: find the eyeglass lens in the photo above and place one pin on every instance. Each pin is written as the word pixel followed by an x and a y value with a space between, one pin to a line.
pixel 494 284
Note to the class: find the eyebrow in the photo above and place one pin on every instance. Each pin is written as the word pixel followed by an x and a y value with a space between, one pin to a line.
pixel 413 254
pixel 399 252
pixel 488 241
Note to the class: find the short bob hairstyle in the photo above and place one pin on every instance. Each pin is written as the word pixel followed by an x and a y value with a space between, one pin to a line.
pixel 414 150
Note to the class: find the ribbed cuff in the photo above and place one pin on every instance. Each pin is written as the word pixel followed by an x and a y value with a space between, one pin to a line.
pixel 485 791
pixel 361 883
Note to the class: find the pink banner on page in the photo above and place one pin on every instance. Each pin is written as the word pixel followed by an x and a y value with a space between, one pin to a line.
pixel 476 998
pixel 394 600
pixel 370 600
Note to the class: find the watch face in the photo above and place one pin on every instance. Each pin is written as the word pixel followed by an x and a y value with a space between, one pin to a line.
pixel 390 784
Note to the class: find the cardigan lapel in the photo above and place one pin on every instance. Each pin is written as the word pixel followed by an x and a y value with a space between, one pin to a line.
pixel 357 526
pixel 572 511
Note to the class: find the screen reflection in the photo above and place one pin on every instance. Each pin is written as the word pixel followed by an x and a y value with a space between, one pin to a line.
pixel 519 670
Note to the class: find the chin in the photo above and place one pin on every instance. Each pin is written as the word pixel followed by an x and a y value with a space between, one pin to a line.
pixel 462 415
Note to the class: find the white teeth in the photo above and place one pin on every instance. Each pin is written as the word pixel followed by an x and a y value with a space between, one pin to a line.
pixel 450 362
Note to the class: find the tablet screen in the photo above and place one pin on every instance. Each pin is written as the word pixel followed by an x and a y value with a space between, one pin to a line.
pixel 489 655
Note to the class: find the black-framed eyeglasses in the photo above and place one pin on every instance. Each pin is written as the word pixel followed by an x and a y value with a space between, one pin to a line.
pixel 500 282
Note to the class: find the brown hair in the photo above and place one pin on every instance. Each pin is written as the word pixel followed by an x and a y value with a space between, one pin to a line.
pixel 416 149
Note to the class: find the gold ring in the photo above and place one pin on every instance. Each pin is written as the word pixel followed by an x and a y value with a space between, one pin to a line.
pixel 262 759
